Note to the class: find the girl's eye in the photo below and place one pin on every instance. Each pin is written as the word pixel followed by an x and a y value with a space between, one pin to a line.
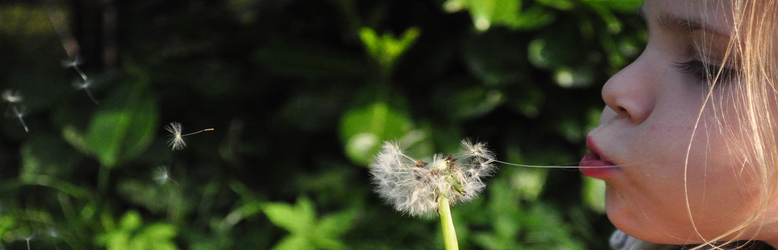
pixel 706 72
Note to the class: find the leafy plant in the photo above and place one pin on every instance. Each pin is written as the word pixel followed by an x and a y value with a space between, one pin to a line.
pixel 301 95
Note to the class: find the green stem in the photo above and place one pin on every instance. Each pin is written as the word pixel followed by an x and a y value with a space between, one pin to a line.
pixel 449 234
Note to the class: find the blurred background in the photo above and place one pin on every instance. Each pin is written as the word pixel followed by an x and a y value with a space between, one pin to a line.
pixel 301 95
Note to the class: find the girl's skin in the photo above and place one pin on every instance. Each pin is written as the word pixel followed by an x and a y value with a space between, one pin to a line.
pixel 661 195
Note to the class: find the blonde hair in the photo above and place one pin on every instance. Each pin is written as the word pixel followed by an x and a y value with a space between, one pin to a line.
pixel 751 53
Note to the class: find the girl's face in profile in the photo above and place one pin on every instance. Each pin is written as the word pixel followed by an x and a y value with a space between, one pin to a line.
pixel 684 171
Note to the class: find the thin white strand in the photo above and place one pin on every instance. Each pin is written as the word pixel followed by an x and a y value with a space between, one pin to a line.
pixel 193 133
pixel 561 166
pixel 20 114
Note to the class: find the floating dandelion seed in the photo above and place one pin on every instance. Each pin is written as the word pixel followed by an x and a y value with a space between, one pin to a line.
pixel 11 97
pixel 415 187
pixel 20 114
pixel 53 233
pixel 86 83
pixel 176 140
pixel 85 86
pixel 28 238
pixel 72 63
pixel 162 176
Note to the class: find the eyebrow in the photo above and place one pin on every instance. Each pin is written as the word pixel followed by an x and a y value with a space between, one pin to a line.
pixel 677 23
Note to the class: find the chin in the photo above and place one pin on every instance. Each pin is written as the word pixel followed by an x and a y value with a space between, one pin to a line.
pixel 628 217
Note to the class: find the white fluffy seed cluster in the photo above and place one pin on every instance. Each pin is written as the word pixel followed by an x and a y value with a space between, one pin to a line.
pixel 413 187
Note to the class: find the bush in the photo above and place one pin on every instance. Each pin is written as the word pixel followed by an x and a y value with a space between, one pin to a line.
pixel 301 95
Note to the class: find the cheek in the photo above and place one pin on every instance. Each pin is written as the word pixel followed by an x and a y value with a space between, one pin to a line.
pixel 607 114
pixel 682 169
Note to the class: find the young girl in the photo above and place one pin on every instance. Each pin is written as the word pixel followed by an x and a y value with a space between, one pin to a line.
pixel 689 126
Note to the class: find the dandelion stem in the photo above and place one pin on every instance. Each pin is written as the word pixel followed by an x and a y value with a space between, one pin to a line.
pixel 449 234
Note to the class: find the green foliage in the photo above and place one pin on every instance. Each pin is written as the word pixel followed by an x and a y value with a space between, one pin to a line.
pixel 386 49
pixel 123 127
pixel 306 231
pixel 364 129
pixel 132 234
pixel 505 12
pixel 301 95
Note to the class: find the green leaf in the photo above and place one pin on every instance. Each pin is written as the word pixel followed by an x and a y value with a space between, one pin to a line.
pixel 106 135
pixel 558 4
pixel 623 6
pixel 470 103
pixel 131 221
pixel 125 124
pixel 239 214
pixel 335 225
pixel 363 129
pixel 593 194
pixel 533 18
pixel 296 219
pixel 294 242
pixel 386 49
pixel 145 194
pixel 44 154
pixel 555 48
pixel 76 139
pixel 613 23
pixel 509 13
pixel 131 234
pixel 305 232
pixel 160 231
pixel 567 77
pixel 529 182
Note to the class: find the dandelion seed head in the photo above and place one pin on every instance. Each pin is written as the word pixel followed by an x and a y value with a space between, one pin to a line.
pixel 11 96
pixel 413 187
pixel 176 141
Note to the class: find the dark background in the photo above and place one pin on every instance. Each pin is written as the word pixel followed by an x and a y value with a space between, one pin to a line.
pixel 300 94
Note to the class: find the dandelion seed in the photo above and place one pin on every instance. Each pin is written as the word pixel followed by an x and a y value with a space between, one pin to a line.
pixel 176 140
pixel 20 114
pixel 85 86
pixel 53 233
pixel 75 63
pixel 72 63
pixel 11 97
pixel 28 238
pixel 414 187
pixel 162 176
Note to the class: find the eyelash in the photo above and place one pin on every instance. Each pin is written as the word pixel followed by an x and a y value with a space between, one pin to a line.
pixel 703 72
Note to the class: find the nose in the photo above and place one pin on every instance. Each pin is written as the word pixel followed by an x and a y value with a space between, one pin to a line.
pixel 629 93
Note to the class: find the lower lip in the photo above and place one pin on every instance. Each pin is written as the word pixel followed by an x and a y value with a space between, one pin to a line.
pixel 593 166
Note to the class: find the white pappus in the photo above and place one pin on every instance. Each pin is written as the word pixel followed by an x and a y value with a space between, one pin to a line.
pixel 414 187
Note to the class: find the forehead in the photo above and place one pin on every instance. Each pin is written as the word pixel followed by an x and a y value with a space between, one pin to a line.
pixel 713 14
